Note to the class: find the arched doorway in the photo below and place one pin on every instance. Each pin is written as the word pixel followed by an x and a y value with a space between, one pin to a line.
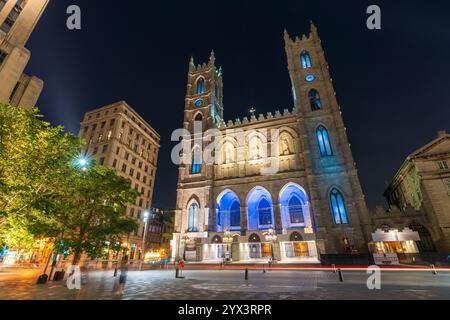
pixel 426 243
pixel 260 213
pixel 295 236
pixel 294 206
pixel 254 246
pixel 216 239
pixel 228 212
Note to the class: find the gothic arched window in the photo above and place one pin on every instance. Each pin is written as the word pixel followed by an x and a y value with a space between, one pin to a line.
pixel 295 208
pixel 235 213
pixel 265 212
pixel 195 167
pixel 324 142
pixel 338 207
pixel 200 86
pixel 306 60
pixel 198 117
pixel 314 100
pixel 193 217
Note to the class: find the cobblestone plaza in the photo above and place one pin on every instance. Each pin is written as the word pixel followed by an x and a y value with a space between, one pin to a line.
pixel 20 284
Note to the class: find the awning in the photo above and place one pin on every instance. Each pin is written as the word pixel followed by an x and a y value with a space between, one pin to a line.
pixel 395 235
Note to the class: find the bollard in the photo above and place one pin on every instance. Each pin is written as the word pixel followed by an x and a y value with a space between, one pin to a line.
pixel 177 273
pixel 334 268
pixel 246 274
pixel 341 277
pixel 434 269
pixel 264 268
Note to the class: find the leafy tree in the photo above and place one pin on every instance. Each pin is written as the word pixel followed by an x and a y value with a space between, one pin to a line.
pixel 34 158
pixel 88 212
pixel 42 193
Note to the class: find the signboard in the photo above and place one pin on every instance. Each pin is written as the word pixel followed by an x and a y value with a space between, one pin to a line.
pixel 386 259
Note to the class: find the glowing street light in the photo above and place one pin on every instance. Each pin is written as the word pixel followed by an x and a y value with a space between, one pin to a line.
pixel 228 239
pixel 82 162
pixel 145 216
pixel 271 236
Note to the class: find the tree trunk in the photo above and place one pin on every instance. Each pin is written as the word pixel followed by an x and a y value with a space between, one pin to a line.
pixel 77 256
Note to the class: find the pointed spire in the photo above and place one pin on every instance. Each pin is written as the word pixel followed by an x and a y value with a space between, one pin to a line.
pixel 313 28
pixel 286 36
pixel 212 58
pixel 191 64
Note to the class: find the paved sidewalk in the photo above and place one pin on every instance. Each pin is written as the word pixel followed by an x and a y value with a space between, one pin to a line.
pixel 229 284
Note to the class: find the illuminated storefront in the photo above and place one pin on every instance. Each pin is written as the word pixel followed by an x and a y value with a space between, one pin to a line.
pixel 387 244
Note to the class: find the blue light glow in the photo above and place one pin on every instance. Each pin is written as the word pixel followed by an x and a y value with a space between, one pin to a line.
pixel 338 207
pixel 305 59
pixel 294 206
pixel 324 142
pixel 200 86
pixel 228 212
pixel 260 213
pixel 310 78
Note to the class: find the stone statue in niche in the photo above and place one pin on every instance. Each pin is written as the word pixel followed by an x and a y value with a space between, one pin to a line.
pixel 228 153
pixel 255 149
pixel 285 145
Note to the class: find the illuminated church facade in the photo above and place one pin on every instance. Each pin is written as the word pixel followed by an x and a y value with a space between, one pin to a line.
pixel 311 205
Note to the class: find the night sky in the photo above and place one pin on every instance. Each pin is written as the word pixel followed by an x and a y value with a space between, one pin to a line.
pixel 393 84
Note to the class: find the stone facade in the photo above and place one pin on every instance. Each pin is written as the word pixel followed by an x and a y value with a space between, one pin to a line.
pixel 421 191
pixel 313 161
pixel 18 18
pixel 118 138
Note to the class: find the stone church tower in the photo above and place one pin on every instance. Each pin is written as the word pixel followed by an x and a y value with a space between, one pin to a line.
pixel 310 81
pixel 236 209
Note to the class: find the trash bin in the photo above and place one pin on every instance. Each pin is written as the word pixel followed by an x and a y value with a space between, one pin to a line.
pixel 42 279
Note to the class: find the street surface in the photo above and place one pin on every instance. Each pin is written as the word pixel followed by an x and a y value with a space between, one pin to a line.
pixel 19 283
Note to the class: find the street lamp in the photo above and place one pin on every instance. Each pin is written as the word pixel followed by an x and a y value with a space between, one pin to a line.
pixel 227 239
pixel 271 236
pixel 185 238
pixel 82 163
pixel 145 216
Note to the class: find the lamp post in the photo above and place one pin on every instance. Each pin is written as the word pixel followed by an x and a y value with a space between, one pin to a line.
pixel 146 215
pixel 228 238
pixel 271 236
pixel 185 238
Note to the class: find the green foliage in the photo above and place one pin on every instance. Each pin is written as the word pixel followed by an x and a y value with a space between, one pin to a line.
pixel 42 194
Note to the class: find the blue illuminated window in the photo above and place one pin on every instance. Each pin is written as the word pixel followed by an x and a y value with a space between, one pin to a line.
pixel 200 86
pixel 324 142
pixel 265 212
pixel 195 167
pixel 338 207
pixel 314 100
pixel 310 78
pixel 235 214
pixel 295 210
pixel 305 59
pixel 193 217
pixel 199 103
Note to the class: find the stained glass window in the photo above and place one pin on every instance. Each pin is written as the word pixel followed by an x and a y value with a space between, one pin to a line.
pixel 338 207
pixel 305 59
pixel 324 142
